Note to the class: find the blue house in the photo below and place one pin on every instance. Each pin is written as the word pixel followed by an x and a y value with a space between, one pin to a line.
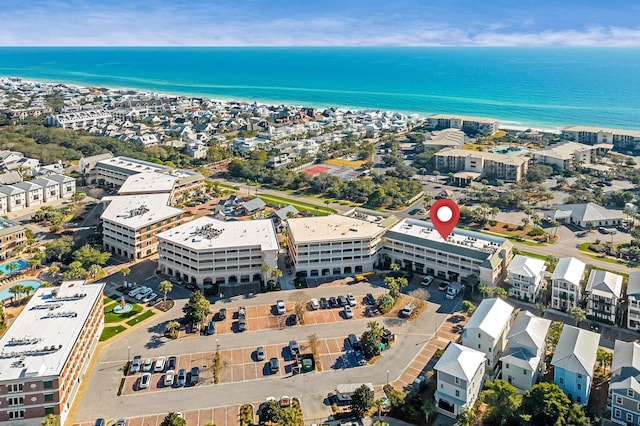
pixel 573 362
pixel 624 390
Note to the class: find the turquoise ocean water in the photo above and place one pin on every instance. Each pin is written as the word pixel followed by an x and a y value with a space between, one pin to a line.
pixel 536 87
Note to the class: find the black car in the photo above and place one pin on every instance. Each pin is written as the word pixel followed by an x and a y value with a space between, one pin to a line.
pixel 99 422
pixel 333 302
pixel 369 299
pixel 324 303
pixel 292 319
pixel 353 341
pixel 171 363
pixel 342 301
pixel 211 328
pixel 194 376
pixel 242 324
pixel 274 365
pixel 222 314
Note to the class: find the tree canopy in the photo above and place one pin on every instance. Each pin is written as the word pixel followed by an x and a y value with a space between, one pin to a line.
pixel 88 255
pixel 196 308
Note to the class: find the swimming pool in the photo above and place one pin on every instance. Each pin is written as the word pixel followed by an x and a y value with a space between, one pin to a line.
pixel 505 150
pixel 4 293
pixel 20 265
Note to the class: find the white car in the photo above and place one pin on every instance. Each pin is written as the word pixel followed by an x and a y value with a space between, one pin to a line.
pixel 281 307
pixel 149 298
pixel 426 281
pixel 348 313
pixel 169 377
pixel 314 304
pixel 148 363
pixel 351 299
pixel 145 380
pixel 159 366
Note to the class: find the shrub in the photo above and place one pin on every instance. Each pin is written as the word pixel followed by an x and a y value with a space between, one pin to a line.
pixel 536 232
pixel 385 303
pixel 493 222
pixel 520 227
pixel 505 226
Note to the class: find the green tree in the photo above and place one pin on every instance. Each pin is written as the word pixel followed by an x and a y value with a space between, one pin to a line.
pixel 553 335
pixel 34 262
pixel 503 400
pixel 79 196
pixel 428 407
pixel 196 308
pixel 385 303
pixel 604 358
pixel 57 248
pixel 88 255
pixel 362 400
pixel 173 329
pixel 75 271
pixel 379 403
pixel 467 417
pixel 485 290
pixel 173 419
pixel 165 287
pixel 276 274
pixel 95 271
pixel 291 416
pixel 371 339
pixel 500 292
pixel 16 291
pixel 51 420
pixel 125 271
pixel 28 289
pixel 468 307
pixel 271 412
pixel 472 281
pixel 546 403
pixel 577 313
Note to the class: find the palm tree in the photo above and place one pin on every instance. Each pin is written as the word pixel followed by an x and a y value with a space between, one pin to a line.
pixel 428 408
pixel 484 290
pixel 125 271
pixel 95 270
pixel 467 417
pixel 12 267
pixel 276 273
pixel 28 289
pixel 577 313
pixel 53 270
pixel 165 287
pixel 172 328
pixel 265 270
pixel 16 290
pixel 379 403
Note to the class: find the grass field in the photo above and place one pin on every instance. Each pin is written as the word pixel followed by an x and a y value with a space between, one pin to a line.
pixel 111 317
pixel 109 332
pixel 356 164
pixel 300 205
pixel 139 318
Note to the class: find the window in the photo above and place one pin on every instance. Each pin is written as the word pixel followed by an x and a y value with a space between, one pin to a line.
pixel 16 414
pixel 616 413
pixel 489 348
pixel 524 371
pixel 618 399
pixel 561 380
pixel 629 417
pixel 478 345
pixel 48 397
pixel 579 386
pixel 458 393
pixel 49 410
pixel 506 365
pixel 479 335
pixel 579 376
pixel 48 384
pixel 630 393
pixel 16 400
pixel 457 380
pixel 16 387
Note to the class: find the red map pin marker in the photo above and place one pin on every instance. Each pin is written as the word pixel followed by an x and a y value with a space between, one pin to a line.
pixel 444 215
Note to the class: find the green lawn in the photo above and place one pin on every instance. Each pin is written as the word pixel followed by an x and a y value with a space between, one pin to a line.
pixel 310 208
pixel 109 332
pixel 533 255
pixel 139 318
pixel 110 317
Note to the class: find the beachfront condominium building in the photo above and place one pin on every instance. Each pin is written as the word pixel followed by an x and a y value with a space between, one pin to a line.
pixel 633 301
pixel 333 245
pixel 206 251
pixel 417 246
pixel 525 276
pixel 620 138
pixel 131 223
pixel 624 389
pixel 115 171
pixel 604 290
pixel 79 119
pixel 46 352
pixel 489 165
pixel 470 125
pixel 486 330
pixel 566 283
pixel 12 235
pixel 565 154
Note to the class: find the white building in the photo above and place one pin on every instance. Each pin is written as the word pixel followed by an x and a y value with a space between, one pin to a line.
pixel 115 171
pixel 16 197
pixel 563 155
pixel 50 188
pixel 595 135
pixel 86 164
pixel 459 378
pixel 633 301
pixel 333 245
pixel 487 329
pixel 417 246
pixel 585 215
pixel 34 194
pixel 523 360
pixel 79 119
pixel 566 283
pixel 604 290
pixel 484 126
pixel 206 251
pixel 525 276
pixel 67 185
pixel 130 224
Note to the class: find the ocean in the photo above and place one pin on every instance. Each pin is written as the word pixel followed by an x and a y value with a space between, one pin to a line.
pixel 545 88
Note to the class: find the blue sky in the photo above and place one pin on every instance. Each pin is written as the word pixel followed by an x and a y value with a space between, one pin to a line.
pixel 320 23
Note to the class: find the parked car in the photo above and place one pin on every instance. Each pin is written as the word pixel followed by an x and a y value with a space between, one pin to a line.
pixel 222 314
pixel 333 302
pixel 369 299
pixel 145 380
pixel 348 313
pixel 149 297
pixel 169 377
pixel 148 363
pixel 292 320
pixel 194 376
pixel 351 299
pixel 274 365
pixel 443 286
pixel 99 422
pixel 360 359
pixel 135 364
pixel 324 303
pixel 281 308
pixel 342 301
pixel 171 363
pixel 242 324
pixel 353 341
pixel 407 310
pixel 314 304
pixel 294 348
pixel 211 328
pixel 182 377
pixel 160 362
pixel 260 356
pixel 426 281
pixel 242 312
pixel 121 422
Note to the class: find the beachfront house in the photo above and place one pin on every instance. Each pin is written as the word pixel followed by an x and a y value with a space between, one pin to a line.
pixel 624 389
pixel 525 276
pixel 566 283
pixel 523 360
pixel 487 329
pixel 604 290
pixel 573 362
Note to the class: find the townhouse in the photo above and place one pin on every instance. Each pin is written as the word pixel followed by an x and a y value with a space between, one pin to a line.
pixel 633 301
pixel 487 329
pixel 525 275
pixel 12 235
pixel 566 283
pixel 604 290
pixel 624 387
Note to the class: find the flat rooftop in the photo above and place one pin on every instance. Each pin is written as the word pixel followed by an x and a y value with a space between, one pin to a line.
pixel 137 211
pixel 148 182
pixel 515 160
pixel 8 227
pixel 590 129
pixel 206 233
pixel 331 228
pixel 463 117
pixel 40 340
pixel 131 165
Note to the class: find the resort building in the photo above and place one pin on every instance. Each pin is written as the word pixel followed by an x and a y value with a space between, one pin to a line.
pixel 565 154
pixel 333 245
pixel 206 251
pixel 523 360
pixel 446 138
pixel 16 198
pixel 180 184
pixel 79 119
pixel 604 290
pixel 34 194
pixel 487 329
pixel 131 223
pixel 115 171
pixel 11 236
pixel 46 352
pixel 566 290
pixel 418 247
pixel 474 164
pixel 459 379
pixel 470 125
pixel 624 388
pixel 585 215
pixel 525 276
pixel 620 138
pixel 633 301
pixel 50 188
pixel 86 164
pixel 573 362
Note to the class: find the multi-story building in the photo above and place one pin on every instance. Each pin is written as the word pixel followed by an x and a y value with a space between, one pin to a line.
pixel 67 184
pixel 34 194
pixel 334 244
pixel 573 362
pixel 471 125
pixel 566 283
pixel 11 236
pixel 565 154
pixel 525 276
pixel 510 168
pixel 86 164
pixel 595 135
pixel 604 290
pixel 418 247
pixel 46 352
pixel 487 329
pixel 115 171
pixel 16 197
pixel 624 388
pixel 633 301
pixel 79 119
pixel 50 188
pixel 459 378
pixel 130 223
pixel 206 251
pixel 523 360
